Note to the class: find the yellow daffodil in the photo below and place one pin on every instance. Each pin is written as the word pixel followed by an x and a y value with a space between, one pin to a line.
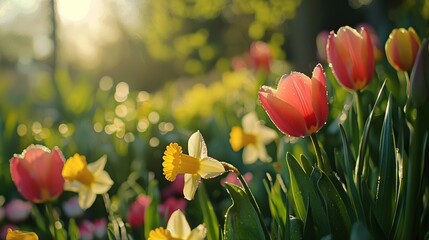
pixel 195 166
pixel 252 137
pixel 18 235
pixel 178 229
pixel 86 179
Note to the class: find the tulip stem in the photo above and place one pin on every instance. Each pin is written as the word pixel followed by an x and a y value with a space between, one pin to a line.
pixel 323 165
pixel 408 220
pixel 51 218
pixel 230 167
pixel 359 111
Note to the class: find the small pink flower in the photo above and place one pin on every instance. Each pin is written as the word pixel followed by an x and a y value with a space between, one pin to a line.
pixel 176 187
pixel 100 228
pixel 232 178
pixel 86 230
pixel 37 173
pixel 18 210
pixel 71 207
pixel 260 56
pixel 136 212
pixel 172 204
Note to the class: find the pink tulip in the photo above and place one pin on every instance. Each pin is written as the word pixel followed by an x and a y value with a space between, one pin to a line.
pixel 321 41
pixel 260 56
pixel 18 210
pixel 172 204
pixel 136 212
pixel 232 178
pixel 299 105
pixel 175 188
pixel 86 230
pixel 37 173
pixel 351 57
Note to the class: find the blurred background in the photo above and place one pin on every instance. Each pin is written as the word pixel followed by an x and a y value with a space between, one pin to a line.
pixel 125 78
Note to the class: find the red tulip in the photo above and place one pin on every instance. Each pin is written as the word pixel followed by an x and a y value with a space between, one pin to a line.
pixel 37 173
pixel 351 57
pixel 299 105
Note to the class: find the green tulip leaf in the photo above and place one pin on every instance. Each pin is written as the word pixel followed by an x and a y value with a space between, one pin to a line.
pixel 241 219
pixel 152 220
pixel 209 215
pixel 304 194
pixel 387 181
pixel 338 216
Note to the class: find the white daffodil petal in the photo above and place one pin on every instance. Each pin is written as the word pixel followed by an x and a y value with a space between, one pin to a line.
pixel 73 186
pixel 97 166
pixel 249 122
pixel 196 146
pixel 178 226
pixel 102 183
pixel 198 233
pixel 191 185
pixel 210 167
pixel 262 153
pixel 267 135
pixel 250 154
pixel 86 198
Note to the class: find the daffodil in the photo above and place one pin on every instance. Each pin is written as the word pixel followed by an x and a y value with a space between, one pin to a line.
pixel 252 138
pixel 86 179
pixel 194 166
pixel 178 229
pixel 18 235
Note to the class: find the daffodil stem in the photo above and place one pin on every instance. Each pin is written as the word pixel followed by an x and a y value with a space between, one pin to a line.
pixel 230 167
pixel 323 165
pixel 115 225
pixel 51 218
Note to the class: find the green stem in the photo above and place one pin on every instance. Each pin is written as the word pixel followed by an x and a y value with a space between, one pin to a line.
pixel 112 219
pixel 317 150
pixel 51 219
pixel 359 111
pixel 409 214
pixel 230 167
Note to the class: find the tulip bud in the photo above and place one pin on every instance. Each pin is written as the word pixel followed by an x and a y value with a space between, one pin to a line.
pixel 351 57
pixel 401 48
pixel 420 76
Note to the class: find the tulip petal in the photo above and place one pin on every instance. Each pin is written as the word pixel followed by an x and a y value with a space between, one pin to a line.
pixel 368 57
pixel 86 198
pixel 191 185
pixel 196 146
pixel 337 61
pixel 319 95
pixel 178 225
pixel 210 167
pixel 286 118
pixel 23 180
